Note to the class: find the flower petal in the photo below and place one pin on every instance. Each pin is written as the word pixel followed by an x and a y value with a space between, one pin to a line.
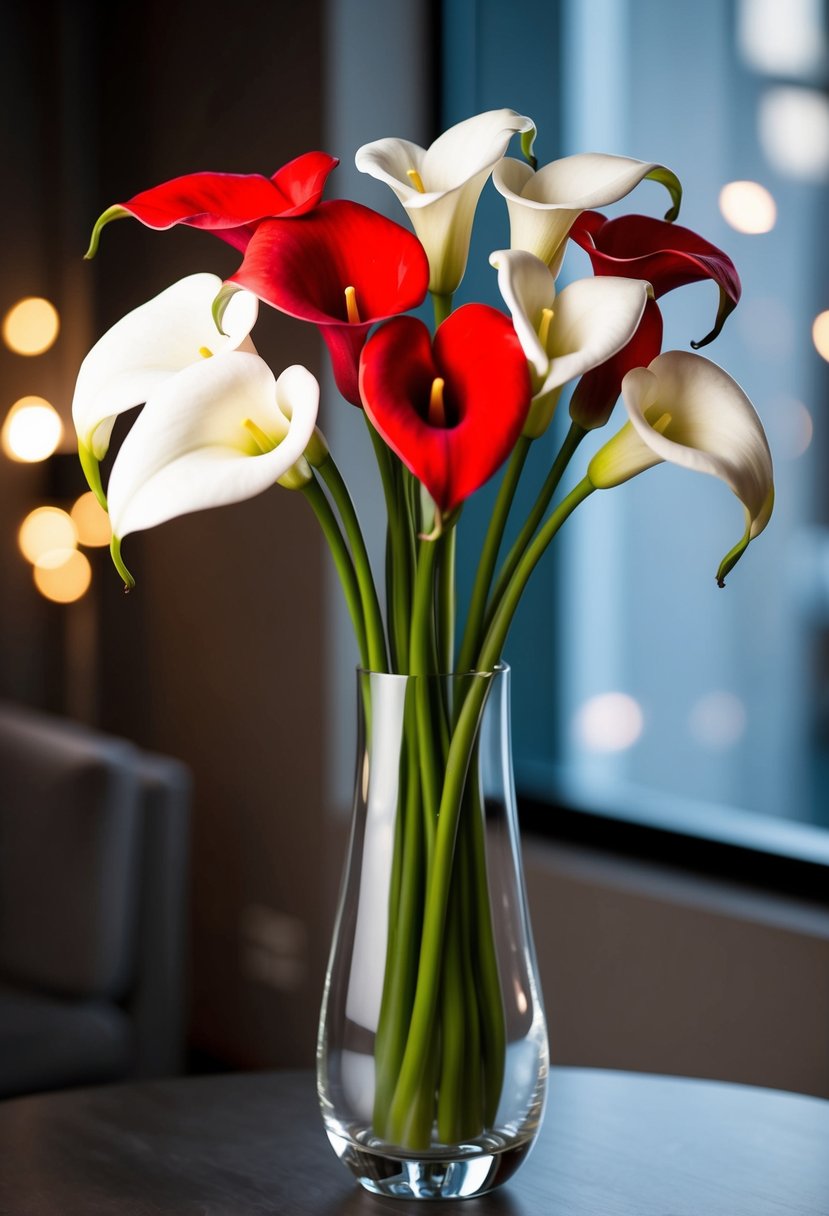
pixel 486 393
pixel 686 410
pixel 594 318
pixel 147 346
pixel 544 204
pixel 303 266
pixel 667 255
pixel 452 173
pixel 190 449
pixel 228 204
pixel 597 392
pixel 527 288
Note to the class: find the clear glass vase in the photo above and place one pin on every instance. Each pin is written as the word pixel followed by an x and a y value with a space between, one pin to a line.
pixel 432 1055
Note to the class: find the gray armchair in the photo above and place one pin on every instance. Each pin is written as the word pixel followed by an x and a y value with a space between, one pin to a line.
pixel 93 863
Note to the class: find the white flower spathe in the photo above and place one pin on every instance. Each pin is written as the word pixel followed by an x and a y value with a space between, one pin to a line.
pixel 150 344
pixel 544 204
pixel 565 335
pixel 687 410
pixel 221 431
pixel 440 185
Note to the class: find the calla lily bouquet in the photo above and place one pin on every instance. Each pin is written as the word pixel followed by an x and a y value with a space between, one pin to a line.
pixel 444 411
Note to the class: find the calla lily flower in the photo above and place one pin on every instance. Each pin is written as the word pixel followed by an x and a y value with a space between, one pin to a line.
pixel 440 186
pixel 221 431
pixel 230 205
pixel 686 410
pixel 451 410
pixel 145 348
pixel 564 335
pixel 343 267
pixel 668 256
pixel 543 205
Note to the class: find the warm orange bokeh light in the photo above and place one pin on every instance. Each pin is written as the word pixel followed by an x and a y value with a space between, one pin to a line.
pixel 820 334
pixel 91 521
pixel 63 575
pixel 748 207
pixel 31 326
pixel 44 530
pixel 32 430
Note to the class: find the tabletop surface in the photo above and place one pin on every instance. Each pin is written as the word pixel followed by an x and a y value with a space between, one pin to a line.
pixel 613 1144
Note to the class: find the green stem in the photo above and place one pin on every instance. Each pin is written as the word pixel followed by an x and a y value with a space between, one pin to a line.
pixel 498 629
pixel 488 986
pixel 342 560
pixel 446 601
pixel 375 633
pixel 422 662
pixel 571 441
pixel 399 562
pixel 489 554
pixel 442 307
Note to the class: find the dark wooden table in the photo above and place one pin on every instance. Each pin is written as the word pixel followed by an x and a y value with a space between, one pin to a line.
pixel 613 1144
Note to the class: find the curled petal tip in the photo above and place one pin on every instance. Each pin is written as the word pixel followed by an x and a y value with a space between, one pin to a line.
pixel 732 557
pixel 727 306
pixel 219 307
pixel 117 560
pixel 668 179
pixel 527 143
pixel 112 213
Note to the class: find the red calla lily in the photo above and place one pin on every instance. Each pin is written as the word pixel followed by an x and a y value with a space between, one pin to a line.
pixel 666 256
pixel 228 204
pixel 303 267
pixel 454 445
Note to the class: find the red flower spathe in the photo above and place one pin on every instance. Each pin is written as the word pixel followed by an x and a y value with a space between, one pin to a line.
pixel 303 266
pixel 486 397
pixel 230 205
pixel 665 255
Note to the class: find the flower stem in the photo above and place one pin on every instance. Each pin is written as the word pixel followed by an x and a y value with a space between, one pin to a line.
pixel 342 560
pixel 375 633
pixel 498 629
pixel 571 441
pixel 442 307
pixel 399 559
pixel 489 554
pixel 446 601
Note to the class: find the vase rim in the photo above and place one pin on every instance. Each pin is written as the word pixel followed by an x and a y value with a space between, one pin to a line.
pixel 499 670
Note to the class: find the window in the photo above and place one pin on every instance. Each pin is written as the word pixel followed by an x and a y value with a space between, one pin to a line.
pixel 724 702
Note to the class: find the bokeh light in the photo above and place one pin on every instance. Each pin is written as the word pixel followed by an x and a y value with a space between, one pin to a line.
pixel 820 334
pixel 794 132
pixel 748 207
pixel 718 720
pixel 609 722
pixel 91 521
pixel 782 39
pixel 45 530
pixel 31 326
pixel 32 430
pixel 63 575
pixel 790 428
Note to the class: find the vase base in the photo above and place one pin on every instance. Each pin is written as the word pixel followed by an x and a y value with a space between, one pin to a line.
pixel 429 1177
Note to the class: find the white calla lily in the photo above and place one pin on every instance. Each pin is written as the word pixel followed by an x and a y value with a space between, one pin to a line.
pixel 565 335
pixel 439 186
pixel 544 204
pixel 221 431
pixel 147 346
pixel 687 410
